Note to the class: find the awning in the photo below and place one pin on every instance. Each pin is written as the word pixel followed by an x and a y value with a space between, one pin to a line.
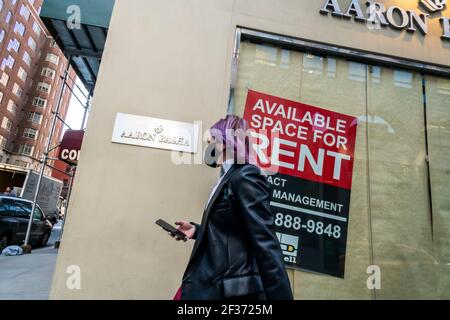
pixel 85 44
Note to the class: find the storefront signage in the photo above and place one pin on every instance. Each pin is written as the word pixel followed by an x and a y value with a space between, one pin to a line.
pixel 312 152
pixel 396 17
pixel 69 148
pixel 155 133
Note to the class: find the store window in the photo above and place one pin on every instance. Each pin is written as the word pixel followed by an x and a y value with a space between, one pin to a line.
pixel 400 196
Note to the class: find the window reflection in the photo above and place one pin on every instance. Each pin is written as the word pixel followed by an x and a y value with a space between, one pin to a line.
pixel 266 55
pixel 403 79
pixel 331 63
pixel 443 86
pixel 357 71
pixel 285 59
pixel 376 74
pixel 312 64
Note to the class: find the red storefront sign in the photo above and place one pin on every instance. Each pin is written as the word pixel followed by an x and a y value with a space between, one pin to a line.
pixel 69 149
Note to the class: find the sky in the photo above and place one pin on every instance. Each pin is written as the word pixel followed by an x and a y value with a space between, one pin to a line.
pixel 75 111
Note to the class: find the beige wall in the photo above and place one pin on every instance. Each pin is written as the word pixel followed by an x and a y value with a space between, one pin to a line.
pixel 171 60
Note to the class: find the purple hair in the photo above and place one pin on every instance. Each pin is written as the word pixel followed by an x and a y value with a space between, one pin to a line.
pixel 232 132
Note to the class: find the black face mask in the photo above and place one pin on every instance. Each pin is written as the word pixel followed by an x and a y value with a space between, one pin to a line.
pixel 211 156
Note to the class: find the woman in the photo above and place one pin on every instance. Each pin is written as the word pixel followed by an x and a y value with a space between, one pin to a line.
pixel 237 254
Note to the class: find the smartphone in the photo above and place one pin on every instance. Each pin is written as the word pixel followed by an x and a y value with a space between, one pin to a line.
pixel 168 227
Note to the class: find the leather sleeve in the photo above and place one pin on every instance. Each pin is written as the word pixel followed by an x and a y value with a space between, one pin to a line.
pixel 197 227
pixel 252 196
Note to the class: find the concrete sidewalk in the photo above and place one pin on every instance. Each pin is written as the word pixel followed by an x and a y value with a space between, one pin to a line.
pixel 29 277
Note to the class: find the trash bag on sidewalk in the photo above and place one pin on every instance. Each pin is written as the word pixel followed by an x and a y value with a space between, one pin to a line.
pixel 12 251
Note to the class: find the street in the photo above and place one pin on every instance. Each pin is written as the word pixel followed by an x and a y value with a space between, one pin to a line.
pixel 29 276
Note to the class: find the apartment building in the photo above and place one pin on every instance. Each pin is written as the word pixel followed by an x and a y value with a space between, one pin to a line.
pixel 31 79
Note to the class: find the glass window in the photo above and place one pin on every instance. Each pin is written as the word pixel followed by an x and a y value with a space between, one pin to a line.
pixel 12 107
pixel 27 58
pixel 8 17
pixel 3 141
pixel 21 210
pixel 39 102
pixel 22 74
pixel 6 124
pixel 17 90
pixel 19 28
pixel 400 194
pixel 52 58
pixel 5 207
pixel 13 44
pixel 48 72
pixel 32 43
pixel 37 216
pixel 7 62
pixel 36 28
pixel 44 87
pixel 35 117
pixel 26 149
pixel 24 12
pixel 4 79
pixel 30 133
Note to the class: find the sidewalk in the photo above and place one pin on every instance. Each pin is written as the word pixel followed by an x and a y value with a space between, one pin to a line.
pixel 29 277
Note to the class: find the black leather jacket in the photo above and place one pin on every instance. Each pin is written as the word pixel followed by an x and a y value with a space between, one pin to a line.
pixel 236 250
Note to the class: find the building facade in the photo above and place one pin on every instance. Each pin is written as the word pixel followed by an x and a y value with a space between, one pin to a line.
pixel 385 63
pixel 32 67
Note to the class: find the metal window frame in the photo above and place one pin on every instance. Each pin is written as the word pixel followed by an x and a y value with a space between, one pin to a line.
pixel 323 49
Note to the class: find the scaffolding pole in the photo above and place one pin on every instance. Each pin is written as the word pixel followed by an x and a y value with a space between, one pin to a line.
pixel 72 171
pixel 27 248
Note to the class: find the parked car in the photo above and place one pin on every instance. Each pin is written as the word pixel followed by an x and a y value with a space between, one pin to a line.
pixel 14 216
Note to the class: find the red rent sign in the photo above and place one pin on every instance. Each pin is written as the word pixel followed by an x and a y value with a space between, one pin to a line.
pixel 310 152
pixel 302 140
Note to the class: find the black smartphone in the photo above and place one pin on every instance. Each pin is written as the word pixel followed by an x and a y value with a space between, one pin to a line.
pixel 170 228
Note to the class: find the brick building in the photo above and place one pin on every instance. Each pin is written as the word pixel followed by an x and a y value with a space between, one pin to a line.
pixel 31 71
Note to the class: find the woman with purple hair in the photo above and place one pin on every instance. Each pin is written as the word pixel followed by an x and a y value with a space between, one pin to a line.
pixel 236 254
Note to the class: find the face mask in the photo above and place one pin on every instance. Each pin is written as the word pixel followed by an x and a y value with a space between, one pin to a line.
pixel 211 156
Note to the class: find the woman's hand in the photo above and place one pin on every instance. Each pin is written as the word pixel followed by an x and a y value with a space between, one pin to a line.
pixel 185 227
